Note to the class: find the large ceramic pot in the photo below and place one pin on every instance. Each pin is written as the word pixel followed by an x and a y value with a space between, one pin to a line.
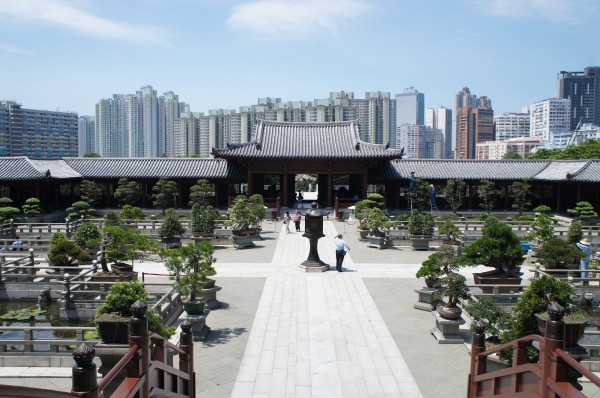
pixel 495 278
pixel 194 307
pixel 573 330
pixel 113 330
pixel 449 312
pixel 363 233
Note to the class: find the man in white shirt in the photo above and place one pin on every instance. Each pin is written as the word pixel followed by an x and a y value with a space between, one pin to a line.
pixel 341 247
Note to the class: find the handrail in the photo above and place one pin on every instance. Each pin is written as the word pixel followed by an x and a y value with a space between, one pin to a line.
pixel 154 337
pixel 512 344
pixel 591 376
pixel 118 366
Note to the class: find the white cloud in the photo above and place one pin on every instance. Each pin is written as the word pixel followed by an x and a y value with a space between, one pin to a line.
pixel 562 11
pixel 280 20
pixel 70 15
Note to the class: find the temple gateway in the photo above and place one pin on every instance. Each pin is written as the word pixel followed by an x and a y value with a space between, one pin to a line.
pixel 345 167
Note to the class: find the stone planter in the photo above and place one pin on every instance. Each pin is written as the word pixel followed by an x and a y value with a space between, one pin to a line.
pixel 114 277
pixel 376 241
pixel 493 278
pixel 121 268
pixel 170 243
pixel 242 241
pixel 203 234
pixel 428 298
pixel 420 242
pixel 363 233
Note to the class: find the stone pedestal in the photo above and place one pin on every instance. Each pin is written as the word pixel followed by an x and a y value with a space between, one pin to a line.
pixel 314 267
pixel 446 331
pixel 199 328
pixel 211 297
pixel 427 299
pixel 242 241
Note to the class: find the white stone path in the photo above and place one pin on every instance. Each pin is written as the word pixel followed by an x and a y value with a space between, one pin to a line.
pixel 318 335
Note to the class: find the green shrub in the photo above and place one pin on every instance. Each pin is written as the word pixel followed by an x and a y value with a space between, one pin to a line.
pixel 558 253
pixel 421 223
pixel 488 311
pixel 575 233
pixel 32 207
pixel 129 212
pixel 87 234
pixel 584 210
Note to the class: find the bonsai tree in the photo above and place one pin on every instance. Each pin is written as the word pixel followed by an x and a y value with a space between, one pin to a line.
pixel 558 253
pixel 65 253
pixel 171 225
pixel 200 192
pixel 494 317
pixel 190 266
pixel 542 209
pixel 521 191
pixel 7 209
pixel 584 210
pixel 542 229
pixel 165 192
pixel 438 264
pixel 535 300
pixel 373 200
pixel 128 192
pixel 488 193
pixel 499 247
pixel 119 300
pixel 80 209
pixel 129 212
pixel 87 235
pixel 91 192
pixel 121 245
pixel 257 208
pixel 454 288
pixel 241 217
pixel 421 194
pixel 449 228
pixel 32 207
pixel 454 192
pixel 376 219
pixel 421 224
pixel 111 219
pixel 203 218
pixel 575 233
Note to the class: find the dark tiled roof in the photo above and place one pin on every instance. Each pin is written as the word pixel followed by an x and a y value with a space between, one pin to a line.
pixel 154 168
pixel 454 169
pixel 590 173
pixel 560 170
pixel 23 168
pixel 307 140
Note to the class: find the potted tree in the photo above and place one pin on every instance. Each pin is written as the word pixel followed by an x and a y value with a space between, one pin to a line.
pixel 171 229
pixel 377 222
pixel 65 254
pixel 129 215
pixel 32 210
pixel 112 317
pixel 559 254
pixel 452 234
pixel 420 228
pixel 498 247
pixel 87 235
pixel 120 245
pixel 433 269
pixel 190 266
pixel 373 200
pixel 454 288
pixel 203 220
pixel 240 220
pixel 585 212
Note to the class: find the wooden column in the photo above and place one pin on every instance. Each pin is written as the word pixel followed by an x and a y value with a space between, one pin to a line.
pixel 285 190
pixel 329 188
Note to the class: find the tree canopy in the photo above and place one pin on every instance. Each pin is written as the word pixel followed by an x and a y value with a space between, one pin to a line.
pixel 589 149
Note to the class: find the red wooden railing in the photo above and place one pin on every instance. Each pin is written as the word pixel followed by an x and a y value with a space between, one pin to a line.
pixel 144 377
pixel 549 377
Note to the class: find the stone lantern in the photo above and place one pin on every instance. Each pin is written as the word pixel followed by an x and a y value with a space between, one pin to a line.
pixel 313 230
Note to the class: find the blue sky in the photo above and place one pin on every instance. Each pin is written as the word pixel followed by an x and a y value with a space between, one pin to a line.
pixel 67 54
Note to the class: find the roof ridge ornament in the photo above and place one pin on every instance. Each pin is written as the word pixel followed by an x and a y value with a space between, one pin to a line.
pixel 357 146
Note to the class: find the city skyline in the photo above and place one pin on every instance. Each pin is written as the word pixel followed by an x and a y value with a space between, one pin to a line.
pixel 67 55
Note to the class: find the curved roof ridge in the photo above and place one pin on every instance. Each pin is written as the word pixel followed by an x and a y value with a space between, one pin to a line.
pixel 581 169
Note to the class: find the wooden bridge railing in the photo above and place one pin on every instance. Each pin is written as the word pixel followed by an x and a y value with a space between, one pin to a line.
pixel 144 377
pixel 549 377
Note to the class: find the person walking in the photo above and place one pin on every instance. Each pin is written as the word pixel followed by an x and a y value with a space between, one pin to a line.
pixel 584 264
pixel 286 221
pixel 297 218
pixel 341 247
pixel 300 200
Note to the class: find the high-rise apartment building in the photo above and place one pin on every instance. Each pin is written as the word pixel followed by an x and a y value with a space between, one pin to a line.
pixel 440 118
pixel 410 107
pixel 511 125
pixel 495 150
pixel 85 132
pixel 549 119
pixel 137 125
pixel 37 133
pixel 474 122
pixel 413 138
pixel 583 89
